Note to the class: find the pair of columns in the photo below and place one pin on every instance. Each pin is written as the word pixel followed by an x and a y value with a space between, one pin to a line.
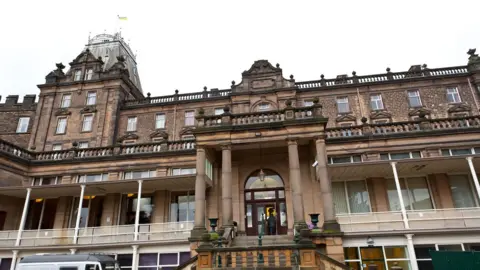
pixel 295 182
pixel 399 188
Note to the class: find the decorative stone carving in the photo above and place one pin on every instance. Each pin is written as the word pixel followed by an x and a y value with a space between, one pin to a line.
pixel 380 115
pixel 62 111
pixel 462 107
pixel 55 75
pixel 473 58
pixel 262 76
pixel 159 134
pixel 346 118
pixel 418 111
pixel 128 136
pixel 186 131
pixel 89 109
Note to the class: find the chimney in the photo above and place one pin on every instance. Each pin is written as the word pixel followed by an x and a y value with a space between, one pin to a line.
pixel 29 100
pixel 11 100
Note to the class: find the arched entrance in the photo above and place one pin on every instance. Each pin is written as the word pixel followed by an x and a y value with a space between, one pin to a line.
pixel 264 190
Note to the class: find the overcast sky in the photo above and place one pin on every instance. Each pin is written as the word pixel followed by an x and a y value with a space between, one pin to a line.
pixel 186 45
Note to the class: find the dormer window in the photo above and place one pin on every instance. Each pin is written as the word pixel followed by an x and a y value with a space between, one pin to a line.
pixel 77 75
pixel 89 74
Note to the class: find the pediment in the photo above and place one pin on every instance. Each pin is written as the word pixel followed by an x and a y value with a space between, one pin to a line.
pixel 86 57
pixel 62 111
pixel 380 115
pixel 346 118
pixel 187 131
pixel 159 134
pixel 459 108
pixel 128 136
pixel 262 76
pixel 418 111
pixel 89 109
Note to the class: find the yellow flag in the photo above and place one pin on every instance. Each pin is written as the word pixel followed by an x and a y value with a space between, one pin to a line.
pixel 122 18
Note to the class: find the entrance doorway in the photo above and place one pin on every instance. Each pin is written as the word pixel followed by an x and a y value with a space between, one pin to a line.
pixel 265 197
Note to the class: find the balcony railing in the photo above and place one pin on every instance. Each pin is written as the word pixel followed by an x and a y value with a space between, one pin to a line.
pixel 386 77
pixel 251 118
pixel 459 218
pixel 444 124
pixel 172 231
pixel 179 97
pixel 84 153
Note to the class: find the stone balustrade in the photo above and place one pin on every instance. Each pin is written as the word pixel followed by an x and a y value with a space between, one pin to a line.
pixel 423 124
pixel 214 93
pixel 252 118
pixel 97 152
pixel 386 77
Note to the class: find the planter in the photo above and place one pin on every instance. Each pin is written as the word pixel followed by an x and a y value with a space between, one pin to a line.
pixel 314 219
pixel 213 223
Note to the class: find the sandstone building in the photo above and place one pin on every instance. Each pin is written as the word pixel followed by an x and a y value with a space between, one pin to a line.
pixel 387 160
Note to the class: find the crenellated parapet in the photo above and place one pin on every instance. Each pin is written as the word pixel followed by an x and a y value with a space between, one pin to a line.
pixel 11 103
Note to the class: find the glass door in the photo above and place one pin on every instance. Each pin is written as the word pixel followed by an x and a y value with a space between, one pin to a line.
pixel 372 258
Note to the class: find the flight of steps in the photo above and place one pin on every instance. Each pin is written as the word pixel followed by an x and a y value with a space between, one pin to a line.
pixel 267 240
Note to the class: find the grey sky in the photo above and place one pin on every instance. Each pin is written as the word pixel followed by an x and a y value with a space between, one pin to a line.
pixel 186 45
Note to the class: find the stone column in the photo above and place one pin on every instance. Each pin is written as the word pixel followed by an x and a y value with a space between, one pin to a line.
pixel 200 186
pixel 330 222
pixel 411 252
pixel 474 174
pixel 295 183
pixel 227 207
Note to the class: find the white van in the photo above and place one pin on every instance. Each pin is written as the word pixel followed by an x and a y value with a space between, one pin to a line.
pixel 68 262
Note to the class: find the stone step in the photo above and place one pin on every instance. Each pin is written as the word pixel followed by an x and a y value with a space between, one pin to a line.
pixel 268 240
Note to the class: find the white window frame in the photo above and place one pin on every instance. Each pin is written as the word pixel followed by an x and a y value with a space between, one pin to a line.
pixel 64 127
pixel 40 180
pixel 56 147
pixel 129 174
pixel 376 102
pixel 159 122
pixel 22 125
pixel 410 155
pixel 470 183
pixel 472 151
pixel 263 107
pixel 83 145
pixel 189 118
pixel 183 171
pixel 346 196
pixel 103 177
pixel 188 137
pixel 91 98
pixel 77 75
pixel 132 123
pixel 414 94
pixel 66 101
pixel 453 95
pixel 87 126
pixel 307 103
pixel 89 74
pixel 218 111
pixel 330 159
pixel 343 101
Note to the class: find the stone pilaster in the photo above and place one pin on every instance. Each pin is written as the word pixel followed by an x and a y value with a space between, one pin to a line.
pixel 227 208
pixel 330 223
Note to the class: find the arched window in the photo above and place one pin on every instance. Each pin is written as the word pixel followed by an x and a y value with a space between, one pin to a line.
pixel 270 180
pixel 264 106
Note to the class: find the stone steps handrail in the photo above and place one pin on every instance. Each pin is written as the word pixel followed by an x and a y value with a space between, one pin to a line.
pixel 404 127
pixel 389 76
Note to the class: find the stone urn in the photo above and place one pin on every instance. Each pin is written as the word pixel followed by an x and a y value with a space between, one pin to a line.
pixel 314 219
pixel 213 223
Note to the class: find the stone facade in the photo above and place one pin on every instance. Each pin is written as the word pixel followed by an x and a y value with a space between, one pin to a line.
pixel 103 125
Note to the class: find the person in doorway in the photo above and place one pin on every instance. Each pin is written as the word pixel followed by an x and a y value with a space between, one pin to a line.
pixel 271 222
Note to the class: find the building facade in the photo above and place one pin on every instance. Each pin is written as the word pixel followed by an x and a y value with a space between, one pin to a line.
pixel 388 161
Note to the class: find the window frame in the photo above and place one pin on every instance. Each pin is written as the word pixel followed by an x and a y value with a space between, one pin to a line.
pixel 377 102
pixel 151 174
pixel 181 169
pixel 344 183
pixel 417 95
pixel 88 74
pixel 57 145
pixel 83 143
pixel 159 121
pixel 62 103
pixel 410 153
pixel 20 124
pixel 189 119
pixel 404 184
pixel 89 98
pixel 134 123
pixel 344 102
pixel 58 124
pixel 84 117
pixel 264 107
pixel 455 94
pixel 103 177
pixel 473 190
pixel 77 75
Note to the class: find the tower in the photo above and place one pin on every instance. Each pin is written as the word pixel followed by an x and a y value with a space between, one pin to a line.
pixel 109 47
